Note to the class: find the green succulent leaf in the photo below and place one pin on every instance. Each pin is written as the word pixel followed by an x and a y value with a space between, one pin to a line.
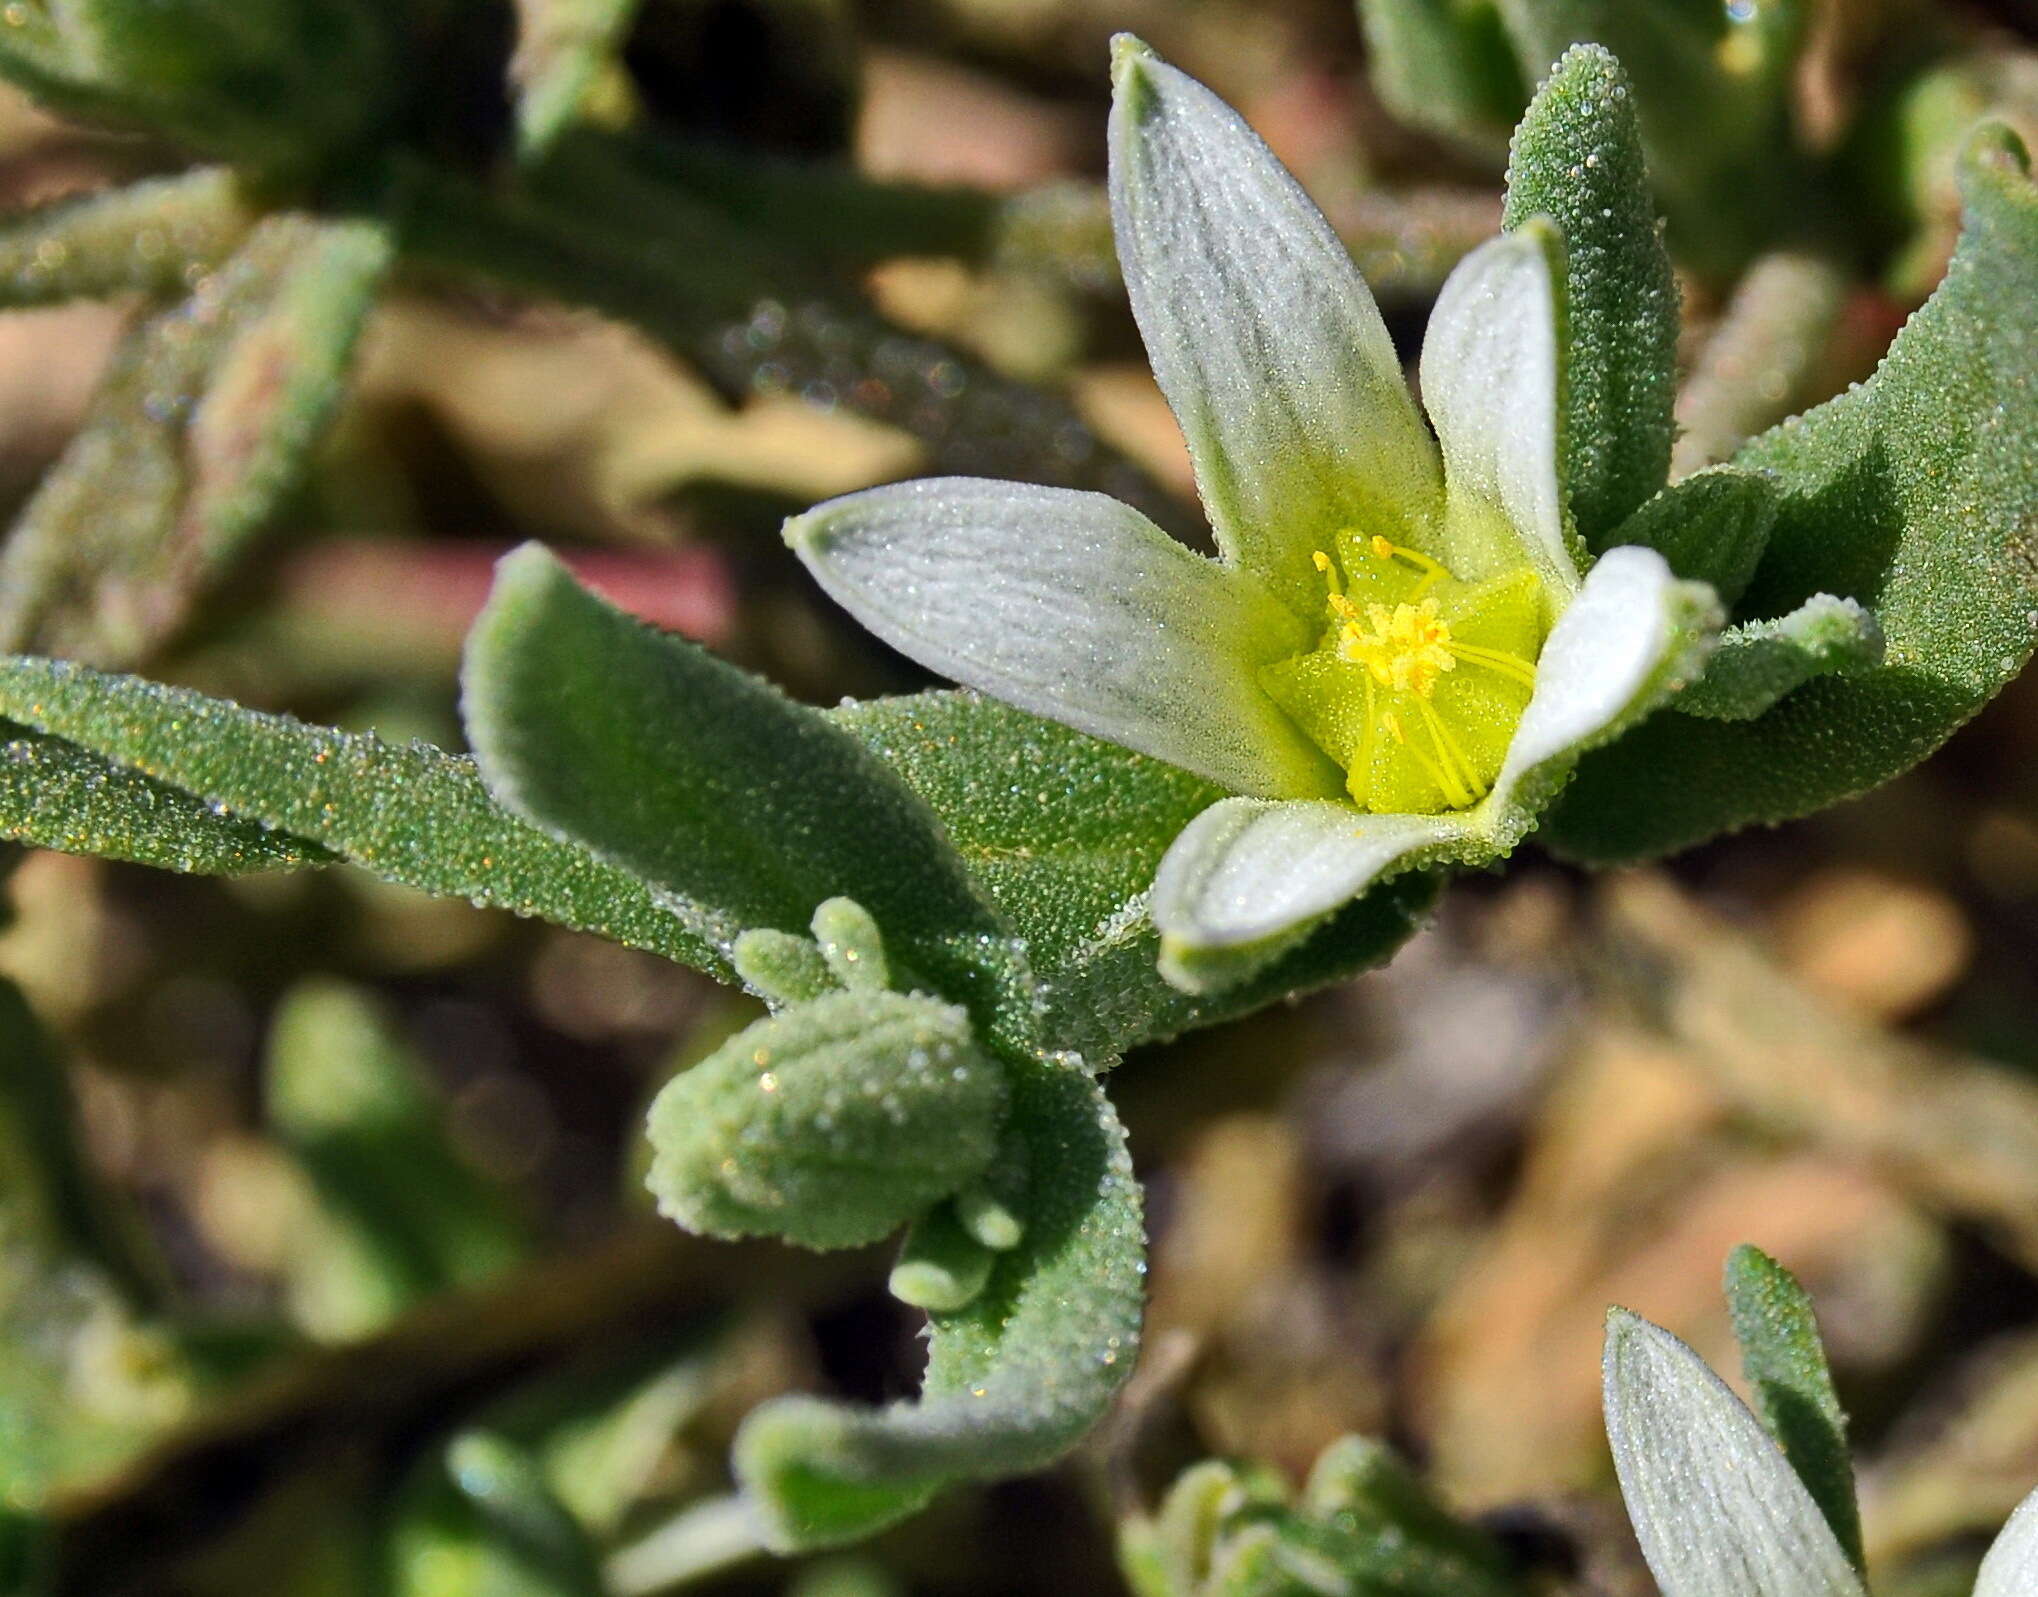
pixel 1758 662
pixel 1717 68
pixel 55 794
pixel 1444 65
pixel 1065 832
pixel 1577 159
pixel 781 968
pixel 563 49
pixel 88 246
pixel 1914 495
pixel 414 815
pixel 1785 1362
pixel 1712 526
pixel 741 808
pixel 830 1124
pixel 1365 1527
pixel 1014 1379
pixel 941 1267
pixel 200 431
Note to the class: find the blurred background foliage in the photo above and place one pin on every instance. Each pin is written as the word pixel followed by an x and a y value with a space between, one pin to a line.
pixel 325 1266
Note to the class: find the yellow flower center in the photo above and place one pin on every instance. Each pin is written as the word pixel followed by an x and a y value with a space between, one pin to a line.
pixel 1406 648
pixel 1419 679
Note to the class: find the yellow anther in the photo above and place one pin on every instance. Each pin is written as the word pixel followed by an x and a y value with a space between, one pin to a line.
pixel 1328 567
pixel 1407 648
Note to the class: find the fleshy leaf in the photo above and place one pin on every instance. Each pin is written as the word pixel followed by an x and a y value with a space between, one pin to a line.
pixel 55 794
pixel 741 808
pixel 1248 877
pixel 1577 159
pixel 198 433
pixel 413 815
pixel 1759 662
pixel 1262 335
pixel 1785 1363
pixel 2011 1568
pixel 1711 526
pixel 1712 90
pixel 1914 494
pixel 85 246
pixel 1490 383
pixel 1444 64
pixel 1014 1379
pixel 563 48
pixel 1065 832
pixel 831 1124
pixel 941 1267
pixel 1075 607
pixel 1716 1506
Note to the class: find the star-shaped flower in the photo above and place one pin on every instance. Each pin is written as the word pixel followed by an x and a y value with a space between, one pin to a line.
pixel 1394 660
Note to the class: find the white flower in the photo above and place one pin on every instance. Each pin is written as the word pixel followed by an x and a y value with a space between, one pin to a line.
pixel 1394 661
pixel 1717 1507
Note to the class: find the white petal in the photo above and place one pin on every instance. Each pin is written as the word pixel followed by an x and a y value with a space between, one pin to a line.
pixel 1075 607
pixel 1716 1506
pixel 1246 871
pixel 1633 635
pixel 2011 1568
pixel 1263 335
pixel 1489 382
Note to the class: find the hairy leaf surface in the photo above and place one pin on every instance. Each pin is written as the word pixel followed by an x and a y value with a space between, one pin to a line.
pixel 1577 159
pixel 413 814
pixel 1014 1379
pixel 739 807
pixel 1916 495
pixel 1786 1367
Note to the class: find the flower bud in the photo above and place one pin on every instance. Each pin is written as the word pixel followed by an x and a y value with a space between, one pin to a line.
pixel 830 1124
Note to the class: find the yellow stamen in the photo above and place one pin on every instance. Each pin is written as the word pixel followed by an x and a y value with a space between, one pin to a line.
pixel 1432 573
pixel 1407 648
pixel 1454 773
pixel 1511 666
